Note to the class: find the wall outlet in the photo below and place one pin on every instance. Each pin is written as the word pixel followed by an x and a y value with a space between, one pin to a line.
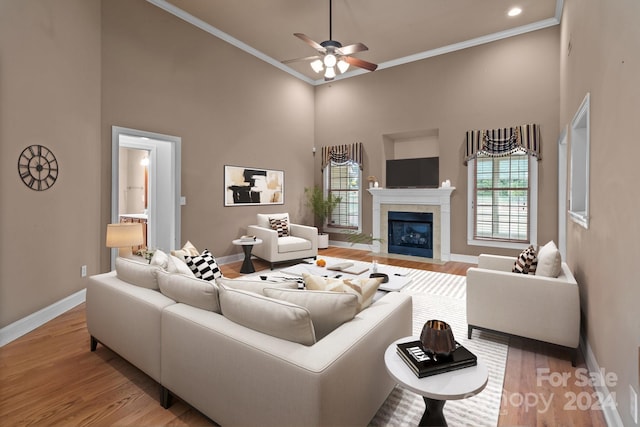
pixel 633 404
pixel 83 271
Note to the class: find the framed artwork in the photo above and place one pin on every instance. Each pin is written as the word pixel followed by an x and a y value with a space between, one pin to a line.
pixel 244 186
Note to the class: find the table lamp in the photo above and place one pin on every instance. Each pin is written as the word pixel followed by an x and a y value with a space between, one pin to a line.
pixel 123 236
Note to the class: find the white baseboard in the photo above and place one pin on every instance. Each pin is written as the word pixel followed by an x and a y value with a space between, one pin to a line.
pixel 469 259
pixel 229 259
pixel 610 411
pixel 27 324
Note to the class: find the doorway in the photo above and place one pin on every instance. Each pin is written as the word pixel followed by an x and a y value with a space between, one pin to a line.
pixel 562 193
pixel 145 184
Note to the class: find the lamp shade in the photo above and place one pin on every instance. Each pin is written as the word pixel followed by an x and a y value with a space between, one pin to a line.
pixel 124 236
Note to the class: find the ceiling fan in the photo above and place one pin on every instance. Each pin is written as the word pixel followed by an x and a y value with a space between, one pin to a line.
pixel 331 53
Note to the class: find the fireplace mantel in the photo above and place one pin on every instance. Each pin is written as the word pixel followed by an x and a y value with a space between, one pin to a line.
pixel 440 198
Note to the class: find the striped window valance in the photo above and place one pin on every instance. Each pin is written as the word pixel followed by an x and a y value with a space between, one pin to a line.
pixel 342 154
pixel 502 142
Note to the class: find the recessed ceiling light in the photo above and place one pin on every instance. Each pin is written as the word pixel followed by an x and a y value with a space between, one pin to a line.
pixel 514 11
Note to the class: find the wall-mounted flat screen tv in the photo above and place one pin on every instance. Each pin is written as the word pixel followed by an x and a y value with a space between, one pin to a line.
pixel 413 173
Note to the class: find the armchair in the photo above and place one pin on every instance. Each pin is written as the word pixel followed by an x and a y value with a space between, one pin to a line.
pixel 301 242
pixel 531 306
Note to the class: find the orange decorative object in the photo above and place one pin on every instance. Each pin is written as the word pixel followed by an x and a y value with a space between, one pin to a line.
pixel 321 263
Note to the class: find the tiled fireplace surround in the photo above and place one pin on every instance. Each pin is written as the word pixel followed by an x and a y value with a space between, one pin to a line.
pixel 434 200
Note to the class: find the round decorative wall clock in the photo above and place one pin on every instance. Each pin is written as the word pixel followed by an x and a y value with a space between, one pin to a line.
pixel 38 167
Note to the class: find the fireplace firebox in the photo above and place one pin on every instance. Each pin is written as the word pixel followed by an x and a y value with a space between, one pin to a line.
pixel 410 233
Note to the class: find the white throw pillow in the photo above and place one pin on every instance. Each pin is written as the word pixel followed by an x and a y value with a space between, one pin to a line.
pixel 256 286
pixel 160 259
pixel 176 265
pixel 277 318
pixel 137 273
pixel 549 261
pixel 187 250
pixel 190 290
pixel 328 309
pixel 362 287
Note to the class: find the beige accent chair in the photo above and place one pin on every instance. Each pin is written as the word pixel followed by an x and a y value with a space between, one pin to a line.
pixel 531 306
pixel 301 243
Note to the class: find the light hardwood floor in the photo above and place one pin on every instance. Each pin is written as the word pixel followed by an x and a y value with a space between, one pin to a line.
pixel 50 378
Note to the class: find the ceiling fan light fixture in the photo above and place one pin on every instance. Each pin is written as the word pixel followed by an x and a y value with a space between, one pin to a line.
pixel 330 60
pixel 330 73
pixel 317 65
pixel 343 66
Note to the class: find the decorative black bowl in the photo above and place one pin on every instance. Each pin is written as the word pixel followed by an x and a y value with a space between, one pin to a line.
pixel 437 338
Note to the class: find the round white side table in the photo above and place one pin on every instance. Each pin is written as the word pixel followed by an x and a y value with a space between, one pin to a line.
pixel 247 246
pixel 436 389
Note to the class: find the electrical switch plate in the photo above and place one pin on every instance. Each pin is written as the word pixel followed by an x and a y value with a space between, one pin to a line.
pixel 83 271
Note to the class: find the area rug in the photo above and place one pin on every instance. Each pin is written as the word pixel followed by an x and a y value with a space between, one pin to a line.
pixel 441 296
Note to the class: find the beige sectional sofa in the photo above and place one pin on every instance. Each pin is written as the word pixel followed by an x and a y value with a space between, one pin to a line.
pixel 234 374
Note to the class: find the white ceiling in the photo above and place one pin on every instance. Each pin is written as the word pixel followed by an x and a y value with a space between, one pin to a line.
pixel 395 31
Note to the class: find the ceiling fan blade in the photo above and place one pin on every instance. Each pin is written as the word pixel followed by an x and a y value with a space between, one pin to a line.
pixel 351 49
pixel 310 42
pixel 307 58
pixel 357 62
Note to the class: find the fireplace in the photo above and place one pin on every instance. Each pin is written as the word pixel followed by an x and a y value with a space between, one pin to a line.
pixel 410 233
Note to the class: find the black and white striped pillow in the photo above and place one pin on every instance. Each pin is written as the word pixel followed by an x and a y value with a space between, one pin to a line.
pixel 281 225
pixel 526 262
pixel 204 266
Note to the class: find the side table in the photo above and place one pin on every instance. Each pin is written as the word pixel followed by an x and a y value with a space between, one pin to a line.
pixel 436 389
pixel 247 246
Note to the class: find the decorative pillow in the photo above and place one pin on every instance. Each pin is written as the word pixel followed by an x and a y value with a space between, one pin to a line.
pixel 281 225
pixel 362 287
pixel 204 266
pixel 160 259
pixel 256 286
pixel 270 316
pixel 549 261
pixel 137 273
pixel 177 265
pixel 187 250
pixel 526 262
pixel 328 309
pixel 189 290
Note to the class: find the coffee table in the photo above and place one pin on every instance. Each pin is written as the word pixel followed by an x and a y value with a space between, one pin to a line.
pixel 247 246
pixel 436 389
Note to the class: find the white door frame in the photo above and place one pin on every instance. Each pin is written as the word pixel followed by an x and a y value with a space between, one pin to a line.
pixel 562 192
pixel 164 183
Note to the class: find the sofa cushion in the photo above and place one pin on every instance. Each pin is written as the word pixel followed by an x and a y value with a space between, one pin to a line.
pixel 270 316
pixel 187 250
pixel 190 290
pixel 137 273
pixel 363 288
pixel 204 266
pixel 549 261
pixel 293 244
pixel 526 262
pixel 328 309
pixel 281 225
pixel 256 286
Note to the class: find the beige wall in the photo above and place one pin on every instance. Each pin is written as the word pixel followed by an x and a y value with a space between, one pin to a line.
pixel 49 95
pixel 505 83
pixel 163 75
pixel 604 59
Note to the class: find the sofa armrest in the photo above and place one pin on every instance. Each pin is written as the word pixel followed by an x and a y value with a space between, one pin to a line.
pixel 496 262
pixel 305 232
pixel 542 308
pixel 269 246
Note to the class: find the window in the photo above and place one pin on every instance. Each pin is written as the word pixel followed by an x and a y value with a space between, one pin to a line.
pixel 344 180
pixel 579 194
pixel 502 200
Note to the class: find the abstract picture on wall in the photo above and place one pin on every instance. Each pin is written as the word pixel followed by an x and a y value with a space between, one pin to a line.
pixel 251 186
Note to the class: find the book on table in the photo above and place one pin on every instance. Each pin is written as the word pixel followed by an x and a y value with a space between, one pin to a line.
pixel 248 238
pixel 424 364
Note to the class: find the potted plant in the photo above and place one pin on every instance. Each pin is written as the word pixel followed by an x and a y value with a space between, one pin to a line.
pixel 322 207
